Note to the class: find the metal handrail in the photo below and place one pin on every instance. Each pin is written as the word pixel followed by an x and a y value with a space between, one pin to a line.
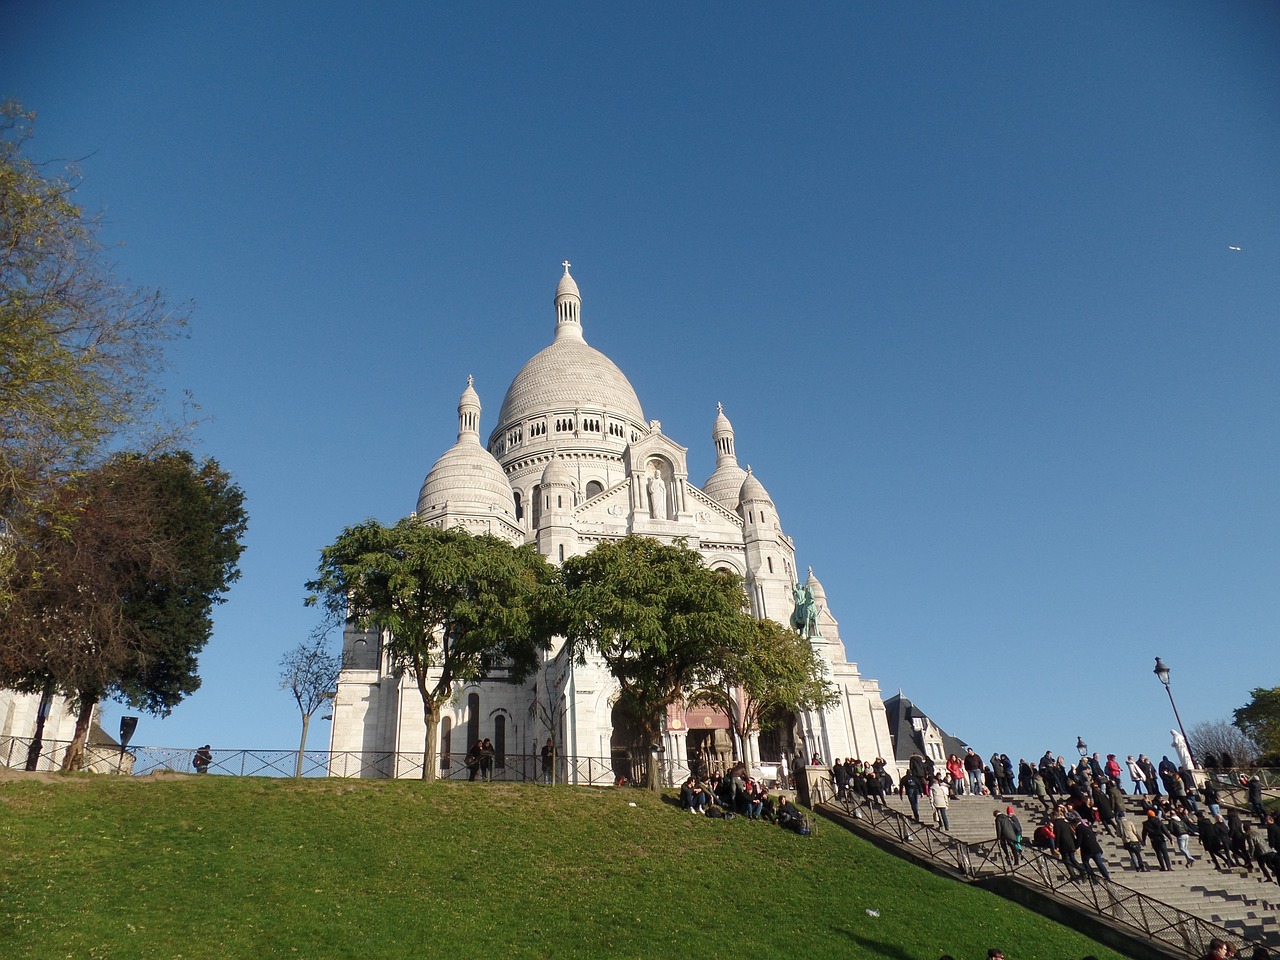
pixel 16 753
pixel 1037 868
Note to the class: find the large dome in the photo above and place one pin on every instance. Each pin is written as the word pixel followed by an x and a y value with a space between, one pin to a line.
pixel 568 375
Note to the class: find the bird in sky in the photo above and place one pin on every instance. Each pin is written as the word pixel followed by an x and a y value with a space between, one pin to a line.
pixel 1229 247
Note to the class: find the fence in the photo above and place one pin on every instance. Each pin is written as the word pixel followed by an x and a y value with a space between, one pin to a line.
pixel 976 861
pixel 22 753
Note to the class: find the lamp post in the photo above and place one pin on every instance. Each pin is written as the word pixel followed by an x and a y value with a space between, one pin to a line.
pixel 1162 671
pixel 1082 747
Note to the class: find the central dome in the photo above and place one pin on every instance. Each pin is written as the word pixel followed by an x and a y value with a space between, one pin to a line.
pixel 568 375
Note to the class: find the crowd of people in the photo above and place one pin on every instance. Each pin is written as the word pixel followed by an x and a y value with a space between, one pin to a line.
pixel 735 794
pixel 1083 799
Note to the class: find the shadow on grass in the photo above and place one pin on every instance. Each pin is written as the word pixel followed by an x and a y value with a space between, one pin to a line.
pixel 879 947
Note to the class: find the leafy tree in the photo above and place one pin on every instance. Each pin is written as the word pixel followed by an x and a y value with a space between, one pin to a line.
pixel 310 673
pixel 1217 737
pixel 1259 719
pixel 116 583
pixel 765 671
pixel 657 616
pixel 451 606
pixel 79 351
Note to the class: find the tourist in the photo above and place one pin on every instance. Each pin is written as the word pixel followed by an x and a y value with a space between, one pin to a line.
pixel 548 754
pixel 1255 797
pixel 1138 775
pixel 1181 831
pixel 939 796
pixel 692 797
pixel 1131 839
pixel 1090 851
pixel 1149 775
pixel 1154 832
pixel 1065 837
pixel 473 761
pixel 909 787
pixel 955 770
pixel 1112 768
pixel 1168 772
pixel 1210 794
pixel 973 767
pixel 1009 837
pixel 486 760
pixel 202 759
pixel 1040 791
pixel 1239 840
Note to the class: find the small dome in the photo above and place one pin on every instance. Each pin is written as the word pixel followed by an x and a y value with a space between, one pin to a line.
pixel 725 483
pixel 467 478
pixel 753 489
pixel 557 474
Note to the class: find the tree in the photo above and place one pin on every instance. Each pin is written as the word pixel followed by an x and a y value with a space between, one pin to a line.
pixel 116 582
pixel 1259 719
pixel 1217 737
pixel 657 616
pixel 452 607
pixel 767 670
pixel 310 673
pixel 79 351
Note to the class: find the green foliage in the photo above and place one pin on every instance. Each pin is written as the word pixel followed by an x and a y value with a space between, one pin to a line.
pixel 116 580
pixel 765 670
pixel 79 352
pixel 656 615
pixel 1259 719
pixel 219 867
pixel 445 601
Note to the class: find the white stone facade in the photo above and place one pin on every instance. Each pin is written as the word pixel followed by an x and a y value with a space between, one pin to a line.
pixel 571 463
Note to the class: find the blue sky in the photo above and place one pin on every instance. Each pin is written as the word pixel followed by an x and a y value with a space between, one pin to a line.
pixel 960 274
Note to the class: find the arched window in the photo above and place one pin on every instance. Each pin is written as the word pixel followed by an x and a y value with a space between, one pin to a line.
pixel 594 487
pixel 499 741
pixel 473 719
pixel 446 743
pixel 519 505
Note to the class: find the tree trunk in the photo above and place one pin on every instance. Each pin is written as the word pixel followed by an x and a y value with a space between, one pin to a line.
pixel 431 714
pixel 37 739
pixel 302 744
pixel 74 758
pixel 653 779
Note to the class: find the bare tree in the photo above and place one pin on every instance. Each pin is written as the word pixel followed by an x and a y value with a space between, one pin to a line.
pixel 309 672
pixel 1217 737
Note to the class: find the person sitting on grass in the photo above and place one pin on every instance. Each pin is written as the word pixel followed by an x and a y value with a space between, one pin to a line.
pixel 692 797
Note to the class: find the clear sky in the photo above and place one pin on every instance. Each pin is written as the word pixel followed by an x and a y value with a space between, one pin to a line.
pixel 960 274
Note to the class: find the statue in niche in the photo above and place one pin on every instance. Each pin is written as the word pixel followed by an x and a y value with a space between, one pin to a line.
pixel 657 498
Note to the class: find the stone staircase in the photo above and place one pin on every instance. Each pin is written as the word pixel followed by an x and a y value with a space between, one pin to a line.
pixel 1235 899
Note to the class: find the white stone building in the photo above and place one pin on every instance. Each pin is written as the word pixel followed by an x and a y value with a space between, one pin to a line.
pixel 573 462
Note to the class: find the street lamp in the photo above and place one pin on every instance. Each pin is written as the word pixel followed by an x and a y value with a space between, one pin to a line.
pixel 1162 671
pixel 1082 747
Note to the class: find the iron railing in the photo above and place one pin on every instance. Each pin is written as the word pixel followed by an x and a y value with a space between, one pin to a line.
pixel 20 753
pixel 976 861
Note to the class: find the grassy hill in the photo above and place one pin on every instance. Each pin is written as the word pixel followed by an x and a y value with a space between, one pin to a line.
pixel 198 867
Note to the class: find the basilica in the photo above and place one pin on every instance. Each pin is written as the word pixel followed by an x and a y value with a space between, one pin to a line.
pixel 570 463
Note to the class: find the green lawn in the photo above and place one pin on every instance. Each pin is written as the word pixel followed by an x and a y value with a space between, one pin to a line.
pixel 198 867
